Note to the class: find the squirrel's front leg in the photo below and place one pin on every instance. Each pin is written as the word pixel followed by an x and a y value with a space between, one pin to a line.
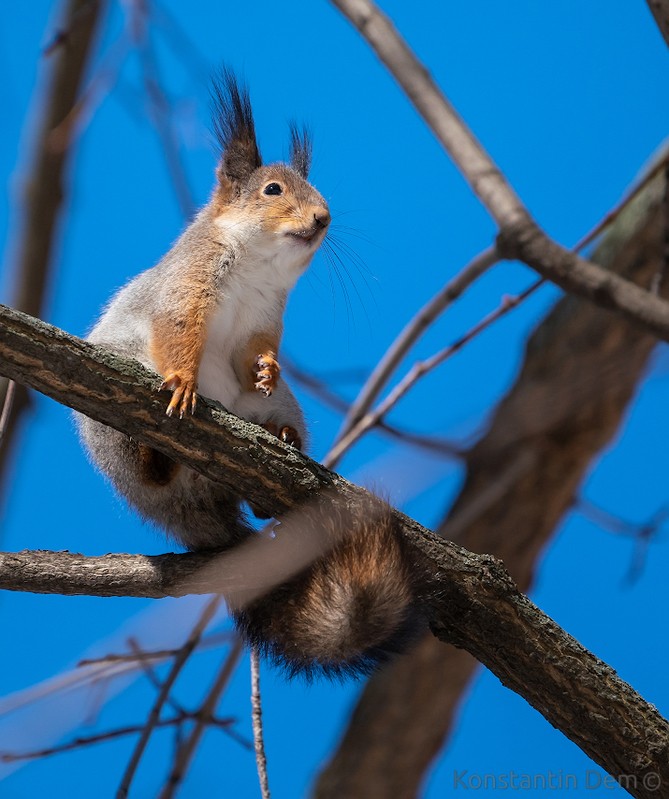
pixel 177 344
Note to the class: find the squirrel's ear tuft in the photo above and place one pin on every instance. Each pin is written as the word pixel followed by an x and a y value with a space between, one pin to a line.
pixel 300 149
pixel 232 119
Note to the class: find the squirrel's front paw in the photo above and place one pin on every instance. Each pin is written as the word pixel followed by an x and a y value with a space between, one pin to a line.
pixel 267 372
pixel 184 397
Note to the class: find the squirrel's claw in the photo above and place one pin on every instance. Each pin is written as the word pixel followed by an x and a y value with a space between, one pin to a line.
pixel 184 397
pixel 288 435
pixel 267 372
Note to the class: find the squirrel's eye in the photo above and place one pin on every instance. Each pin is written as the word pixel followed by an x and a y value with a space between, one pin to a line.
pixel 272 188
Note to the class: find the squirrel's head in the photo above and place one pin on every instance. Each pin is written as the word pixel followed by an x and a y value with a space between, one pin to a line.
pixel 273 207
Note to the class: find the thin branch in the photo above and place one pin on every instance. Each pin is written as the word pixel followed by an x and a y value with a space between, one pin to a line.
pixel 203 718
pixel 412 332
pixel 519 235
pixel 319 389
pixel 256 716
pixel 154 716
pixel 110 735
pixel 151 675
pixel 358 418
pixel 156 654
pixel 435 307
pixel 637 189
pixel 642 532
pixel 418 371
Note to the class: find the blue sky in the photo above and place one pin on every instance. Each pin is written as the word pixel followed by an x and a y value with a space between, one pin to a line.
pixel 569 98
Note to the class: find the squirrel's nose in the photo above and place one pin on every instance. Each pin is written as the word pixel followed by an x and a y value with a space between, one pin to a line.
pixel 321 217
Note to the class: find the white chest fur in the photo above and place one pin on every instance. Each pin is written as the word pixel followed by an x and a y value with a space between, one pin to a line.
pixel 251 302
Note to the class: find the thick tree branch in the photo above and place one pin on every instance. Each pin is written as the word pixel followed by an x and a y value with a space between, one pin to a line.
pixel 519 235
pixel 469 599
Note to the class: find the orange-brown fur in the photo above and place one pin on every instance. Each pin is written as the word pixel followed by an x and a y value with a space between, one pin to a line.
pixel 177 340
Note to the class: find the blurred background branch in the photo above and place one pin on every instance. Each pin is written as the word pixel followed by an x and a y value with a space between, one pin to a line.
pixel 44 188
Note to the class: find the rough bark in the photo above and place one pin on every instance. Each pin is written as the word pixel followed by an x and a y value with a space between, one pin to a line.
pixel 581 368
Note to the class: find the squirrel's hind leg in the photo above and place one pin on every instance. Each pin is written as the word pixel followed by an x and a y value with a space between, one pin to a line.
pixel 199 513
pixel 154 467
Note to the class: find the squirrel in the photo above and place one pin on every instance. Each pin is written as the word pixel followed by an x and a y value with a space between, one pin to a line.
pixel 208 318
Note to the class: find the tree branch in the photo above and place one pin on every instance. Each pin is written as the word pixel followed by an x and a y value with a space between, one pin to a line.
pixel 660 11
pixel 469 599
pixel 412 332
pixel 43 189
pixel 519 235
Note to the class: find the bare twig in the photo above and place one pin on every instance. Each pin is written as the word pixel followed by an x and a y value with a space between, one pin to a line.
pixel 151 675
pixel 154 716
pixel 156 654
pixel 412 332
pixel 642 532
pixel 418 371
pixel 328 397
pixel 256 716
pixel 427 315
pixel 203 717
pixel 637 189
pixel 182 45
pixel 109 735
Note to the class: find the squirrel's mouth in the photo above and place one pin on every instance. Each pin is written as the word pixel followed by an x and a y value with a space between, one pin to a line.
pixel 308 237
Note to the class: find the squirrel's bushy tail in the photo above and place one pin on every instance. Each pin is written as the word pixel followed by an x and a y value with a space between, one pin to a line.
pixel 351 609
